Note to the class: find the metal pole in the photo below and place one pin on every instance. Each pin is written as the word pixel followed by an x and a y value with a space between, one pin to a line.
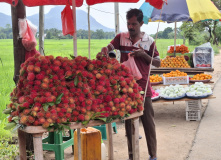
pixel 41 30
pixel 89 33
pixel 75 33
pixel 116 12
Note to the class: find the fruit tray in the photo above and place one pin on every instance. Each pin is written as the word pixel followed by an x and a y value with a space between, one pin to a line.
pixel 207 80
pixel 156 83
pixel 174 98
pixel 155 98
pixel 176 80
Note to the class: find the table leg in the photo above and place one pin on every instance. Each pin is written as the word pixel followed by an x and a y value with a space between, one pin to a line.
pixel 110 141
pixel 79 143
pixel 135 138
pixel 38 149
pixel 22 145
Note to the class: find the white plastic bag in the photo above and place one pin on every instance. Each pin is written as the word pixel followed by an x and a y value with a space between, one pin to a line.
pixel 203 56
pixel 130 63
pixel 22 26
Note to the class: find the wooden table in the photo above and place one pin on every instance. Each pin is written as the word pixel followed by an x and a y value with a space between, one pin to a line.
pixel 189 71
pixel 37 132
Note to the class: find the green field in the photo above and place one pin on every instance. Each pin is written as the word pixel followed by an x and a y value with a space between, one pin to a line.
pixel 62 48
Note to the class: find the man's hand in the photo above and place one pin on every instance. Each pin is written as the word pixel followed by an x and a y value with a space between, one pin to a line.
pixel 104 51
pixel 138 52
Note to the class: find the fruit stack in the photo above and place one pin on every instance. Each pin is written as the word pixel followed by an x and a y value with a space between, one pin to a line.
pixel 59 90
pixel 174 62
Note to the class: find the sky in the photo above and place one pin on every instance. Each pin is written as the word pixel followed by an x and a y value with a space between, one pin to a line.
pixel 104 14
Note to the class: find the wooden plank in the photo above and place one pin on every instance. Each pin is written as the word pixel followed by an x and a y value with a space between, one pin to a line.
pixel 161 100
pixel 110 141
pixel 22 144
pixel 38 149
pixel 135 138
pixel 75 125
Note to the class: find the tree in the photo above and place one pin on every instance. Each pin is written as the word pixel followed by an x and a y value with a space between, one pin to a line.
pixel 166 32
pixel 217 3
pixel 100 34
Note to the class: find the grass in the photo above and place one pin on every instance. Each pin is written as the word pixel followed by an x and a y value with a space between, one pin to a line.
pixel 62 48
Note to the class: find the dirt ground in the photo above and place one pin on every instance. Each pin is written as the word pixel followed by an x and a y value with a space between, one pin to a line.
pixel 175 135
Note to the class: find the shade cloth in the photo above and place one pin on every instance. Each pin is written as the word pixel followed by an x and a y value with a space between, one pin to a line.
pixel 30 3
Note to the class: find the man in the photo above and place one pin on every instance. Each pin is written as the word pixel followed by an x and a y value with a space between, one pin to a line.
pixel 141 45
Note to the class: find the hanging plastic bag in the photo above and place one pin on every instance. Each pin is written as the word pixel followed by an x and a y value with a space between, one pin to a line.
pixel 67 21
pixel 130 63
pixel 22 26
pixel 28 40
pixel 31 53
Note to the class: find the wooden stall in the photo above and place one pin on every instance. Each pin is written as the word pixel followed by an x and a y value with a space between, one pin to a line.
pixel 37 132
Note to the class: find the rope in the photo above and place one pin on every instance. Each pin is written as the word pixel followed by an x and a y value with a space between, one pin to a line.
pixel 152 59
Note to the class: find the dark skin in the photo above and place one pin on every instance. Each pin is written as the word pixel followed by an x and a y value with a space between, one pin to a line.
pixel 135 35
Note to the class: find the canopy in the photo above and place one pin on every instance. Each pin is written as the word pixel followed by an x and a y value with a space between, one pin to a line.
pixel 182 10
pixel 30 3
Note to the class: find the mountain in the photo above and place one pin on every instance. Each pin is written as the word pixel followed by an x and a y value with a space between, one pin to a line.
pixel 53 20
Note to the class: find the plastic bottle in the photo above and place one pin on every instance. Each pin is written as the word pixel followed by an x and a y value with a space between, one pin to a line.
pixel 103 150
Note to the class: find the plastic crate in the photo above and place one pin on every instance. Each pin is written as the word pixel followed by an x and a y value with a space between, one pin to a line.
pixel 175 80
pixel 193 115
pixel 193 105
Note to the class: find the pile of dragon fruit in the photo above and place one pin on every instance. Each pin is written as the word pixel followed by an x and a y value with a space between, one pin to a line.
pixel 60 90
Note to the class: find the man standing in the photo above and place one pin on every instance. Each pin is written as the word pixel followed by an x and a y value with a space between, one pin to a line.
pixel 141 46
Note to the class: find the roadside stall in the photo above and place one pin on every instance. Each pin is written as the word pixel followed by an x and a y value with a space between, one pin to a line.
pixel 26 104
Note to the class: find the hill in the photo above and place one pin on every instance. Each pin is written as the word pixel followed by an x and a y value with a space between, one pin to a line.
pixel 53 20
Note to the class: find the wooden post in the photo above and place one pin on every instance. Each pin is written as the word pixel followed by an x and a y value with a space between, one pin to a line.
pixel 38 149
pixel 75 33
pixel 89 33
pixel 79 144
pixel 175 41
pixel 116 13
pixel 41 30
pixel 22 144
pixel 135 138
pixel 110 141
pixel 19 50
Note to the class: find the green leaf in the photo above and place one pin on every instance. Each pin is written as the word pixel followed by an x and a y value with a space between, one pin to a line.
pixel 85 122
pixel 7 111
pixel 67 127
pixel 16 127
pixel 76 80
pixel 73 57
pixel 10 125
pixel 142 92
pixel 103 119
pixel 51 103
pixel 127 115
pixel 16 119
pixel 109 119
pixel 58 100
pixel 45 106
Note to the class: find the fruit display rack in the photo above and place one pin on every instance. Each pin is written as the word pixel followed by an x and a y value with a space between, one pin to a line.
pixel 37 132
pixel 189 71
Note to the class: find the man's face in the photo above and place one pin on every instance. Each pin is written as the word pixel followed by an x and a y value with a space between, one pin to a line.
pixel 133 26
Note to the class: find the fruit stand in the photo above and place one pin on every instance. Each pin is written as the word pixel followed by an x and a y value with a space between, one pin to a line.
pixel 37 132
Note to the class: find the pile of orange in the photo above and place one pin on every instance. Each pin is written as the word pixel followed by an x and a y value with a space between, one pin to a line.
pixel 155 78
pixel 201 76
pixel 179 49
pixel 174 62
pixel 176 73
